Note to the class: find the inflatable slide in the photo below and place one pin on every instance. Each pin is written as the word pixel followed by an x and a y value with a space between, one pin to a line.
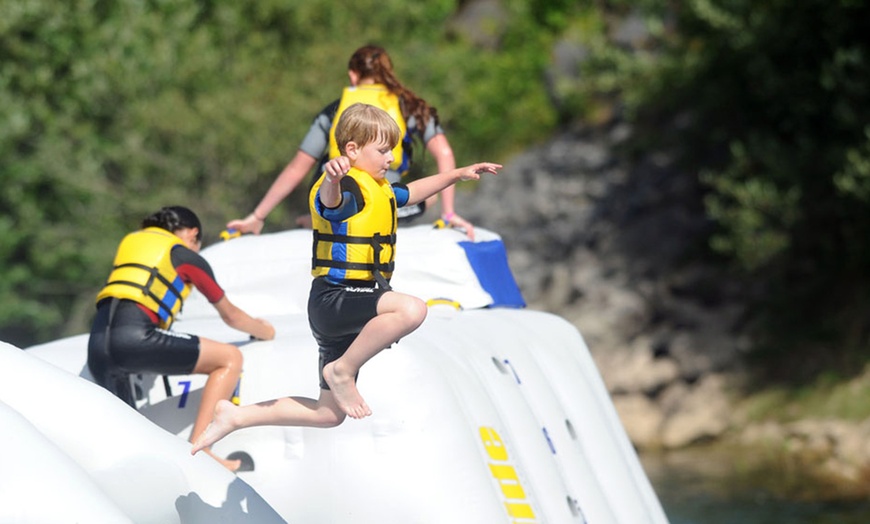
pixel 75 454
pixel 488 413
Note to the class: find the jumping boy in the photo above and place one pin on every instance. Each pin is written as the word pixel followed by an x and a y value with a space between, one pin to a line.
pixel 352 311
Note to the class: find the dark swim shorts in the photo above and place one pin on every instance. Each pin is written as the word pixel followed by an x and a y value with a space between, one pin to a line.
pixel 337 313
pixel 124 340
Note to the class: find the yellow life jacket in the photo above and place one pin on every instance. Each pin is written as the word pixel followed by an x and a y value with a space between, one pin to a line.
pixel 379 96
pixel 143 272
pixel 363 247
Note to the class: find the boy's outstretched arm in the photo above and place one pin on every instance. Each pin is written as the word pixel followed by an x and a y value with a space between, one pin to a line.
pixel 425 187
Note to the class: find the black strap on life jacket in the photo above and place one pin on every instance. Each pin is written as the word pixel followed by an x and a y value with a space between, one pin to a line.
pixel 376 241
pixel 154 274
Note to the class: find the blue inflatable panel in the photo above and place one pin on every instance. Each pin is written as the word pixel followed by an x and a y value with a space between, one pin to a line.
pixel 489 261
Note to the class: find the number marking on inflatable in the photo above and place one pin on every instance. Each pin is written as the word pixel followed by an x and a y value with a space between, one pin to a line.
pixel 183 400
pixel 505 474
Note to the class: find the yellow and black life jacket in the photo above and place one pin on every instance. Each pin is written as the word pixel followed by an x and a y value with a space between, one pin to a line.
pixel 363 247
pixel 379 96
pixel 143 272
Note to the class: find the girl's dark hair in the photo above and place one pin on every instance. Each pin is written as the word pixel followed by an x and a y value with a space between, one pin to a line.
pixel 373 62
pixel 173 218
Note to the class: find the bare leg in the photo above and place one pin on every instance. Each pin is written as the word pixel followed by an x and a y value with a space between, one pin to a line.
pixel 287 411
pixel 223 365
pixel 346 393
pixel 398 315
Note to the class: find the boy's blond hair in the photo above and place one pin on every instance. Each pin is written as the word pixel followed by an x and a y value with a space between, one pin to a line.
pixel 365 124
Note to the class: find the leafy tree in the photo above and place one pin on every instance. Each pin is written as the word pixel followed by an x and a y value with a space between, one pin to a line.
pixel 111 109
pixel 773 100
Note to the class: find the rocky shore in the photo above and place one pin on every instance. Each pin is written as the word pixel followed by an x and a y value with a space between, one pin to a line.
pixel 611 243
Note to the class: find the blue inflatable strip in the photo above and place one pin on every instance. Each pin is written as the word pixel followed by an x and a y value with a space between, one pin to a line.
pixel 489 262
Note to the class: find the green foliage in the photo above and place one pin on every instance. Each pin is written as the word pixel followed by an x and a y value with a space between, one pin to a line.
pixel 777 99
pixel 778 94
pixel 829 396
pixel 854 178
pixel 768 101
pixel 109 110
pixel 757 212
pixel 612 74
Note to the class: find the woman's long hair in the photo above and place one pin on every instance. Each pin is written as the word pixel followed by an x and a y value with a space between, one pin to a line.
pixel 373 62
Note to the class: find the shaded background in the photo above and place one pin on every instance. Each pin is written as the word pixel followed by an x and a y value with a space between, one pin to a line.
pixel 111 109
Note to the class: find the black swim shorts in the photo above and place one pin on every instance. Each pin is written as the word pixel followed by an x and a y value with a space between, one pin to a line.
pixel 337 313
pixel 124 340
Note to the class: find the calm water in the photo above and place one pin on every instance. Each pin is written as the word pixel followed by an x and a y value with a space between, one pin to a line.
pixel 702 487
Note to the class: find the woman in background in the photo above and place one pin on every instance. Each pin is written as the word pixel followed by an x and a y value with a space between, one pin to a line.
pixel 372 81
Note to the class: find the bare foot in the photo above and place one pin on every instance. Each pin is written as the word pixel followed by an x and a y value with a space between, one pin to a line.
pixel 221 425
pixel 232 465
pixel 345 393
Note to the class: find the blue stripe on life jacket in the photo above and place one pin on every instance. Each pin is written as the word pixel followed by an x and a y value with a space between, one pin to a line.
pixel 170 298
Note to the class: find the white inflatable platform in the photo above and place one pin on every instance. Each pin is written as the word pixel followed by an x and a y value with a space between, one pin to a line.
pixel 76 454
pixel 489 413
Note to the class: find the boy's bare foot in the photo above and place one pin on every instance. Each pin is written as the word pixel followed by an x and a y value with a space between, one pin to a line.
pixel 346 395
pixel 220 426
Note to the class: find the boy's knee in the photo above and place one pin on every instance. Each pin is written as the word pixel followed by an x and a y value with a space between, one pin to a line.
pixel 416 310
pixel 420 310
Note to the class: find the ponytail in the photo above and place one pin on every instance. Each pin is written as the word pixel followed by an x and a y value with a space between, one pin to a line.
pixel 373 62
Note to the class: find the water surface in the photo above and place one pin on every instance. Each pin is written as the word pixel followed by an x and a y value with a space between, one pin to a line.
pixel 712 486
